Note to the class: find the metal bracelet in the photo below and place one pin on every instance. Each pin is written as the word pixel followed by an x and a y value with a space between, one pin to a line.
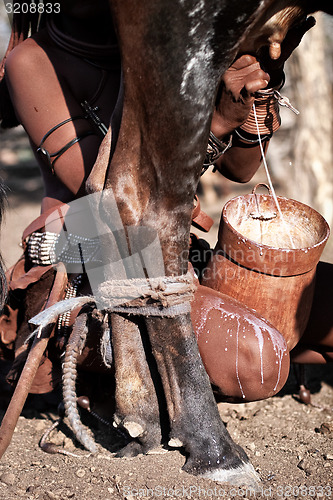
pixel 252 141
pixel 282 100
pixel 215 149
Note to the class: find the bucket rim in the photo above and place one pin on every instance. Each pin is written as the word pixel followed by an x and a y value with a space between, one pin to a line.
pixel 304 249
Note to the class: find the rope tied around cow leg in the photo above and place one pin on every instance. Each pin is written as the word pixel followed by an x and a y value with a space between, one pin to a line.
pixel 157 291
pixel 162 296
pixel 166 296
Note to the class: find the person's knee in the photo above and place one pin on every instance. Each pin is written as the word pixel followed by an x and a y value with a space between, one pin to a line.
pixel 245 357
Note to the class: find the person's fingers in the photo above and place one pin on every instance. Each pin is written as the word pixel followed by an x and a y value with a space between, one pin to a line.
pixel 241 76
pixel 274 50
pixel 255 85
pixel 257 80
pixel 241 73
pixel 244 61
pixel 245 83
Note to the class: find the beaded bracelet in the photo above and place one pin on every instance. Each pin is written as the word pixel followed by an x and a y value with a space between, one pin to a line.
pixel 266 103
pixel 215 149
pixel 268 115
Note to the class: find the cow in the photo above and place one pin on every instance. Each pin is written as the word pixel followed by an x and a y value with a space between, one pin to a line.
pixel 173 54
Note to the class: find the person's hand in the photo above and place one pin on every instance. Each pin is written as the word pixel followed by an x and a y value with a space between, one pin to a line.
pixel 236 94
pixel 281 45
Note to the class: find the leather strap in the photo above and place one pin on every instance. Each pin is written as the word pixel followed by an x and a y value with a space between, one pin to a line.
pixel 200 219
pixel 18 278
pixel 53 214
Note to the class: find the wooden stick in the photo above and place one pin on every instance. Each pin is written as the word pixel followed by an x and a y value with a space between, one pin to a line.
pixel 22 389
pixel 31 366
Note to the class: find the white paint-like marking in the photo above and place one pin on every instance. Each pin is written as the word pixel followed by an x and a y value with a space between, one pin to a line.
pixel 278 342
pixel 195 71
pixel 280 348
pixel 198 54
pixel 237 372
pixel 238 476
pixel 197 9
pixel 241 18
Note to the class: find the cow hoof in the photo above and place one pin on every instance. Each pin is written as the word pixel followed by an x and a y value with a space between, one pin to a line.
pixel 242 475
pixel 134 429
pixel 132 449
pixel 175 443
pixel 136 447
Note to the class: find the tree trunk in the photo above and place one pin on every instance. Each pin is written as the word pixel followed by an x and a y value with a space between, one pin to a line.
pixel 312 149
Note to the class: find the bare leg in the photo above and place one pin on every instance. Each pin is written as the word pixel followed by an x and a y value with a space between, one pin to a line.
pixel 316 345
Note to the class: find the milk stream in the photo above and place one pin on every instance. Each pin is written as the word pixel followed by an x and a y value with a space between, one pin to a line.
pixel 270 180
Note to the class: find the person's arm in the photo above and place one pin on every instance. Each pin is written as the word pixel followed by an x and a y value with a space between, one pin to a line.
pixel 236 97
pixel 42 101
pixel 240 163
pixel 240 86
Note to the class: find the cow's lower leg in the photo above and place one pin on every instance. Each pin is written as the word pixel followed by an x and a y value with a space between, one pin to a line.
pixel 137 406
pixel 194 418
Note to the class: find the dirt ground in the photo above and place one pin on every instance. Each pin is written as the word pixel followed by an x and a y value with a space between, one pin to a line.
pixel 290 444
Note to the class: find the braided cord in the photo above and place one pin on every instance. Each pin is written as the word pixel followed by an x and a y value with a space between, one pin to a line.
pixel 74 348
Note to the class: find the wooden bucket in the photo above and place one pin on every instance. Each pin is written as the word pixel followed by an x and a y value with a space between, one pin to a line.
pixel 254 260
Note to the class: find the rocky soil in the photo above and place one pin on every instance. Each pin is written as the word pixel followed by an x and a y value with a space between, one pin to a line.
pixel 289 444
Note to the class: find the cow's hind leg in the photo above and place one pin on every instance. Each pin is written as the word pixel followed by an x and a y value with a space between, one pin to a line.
pixel 137 405
pixel 194 418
